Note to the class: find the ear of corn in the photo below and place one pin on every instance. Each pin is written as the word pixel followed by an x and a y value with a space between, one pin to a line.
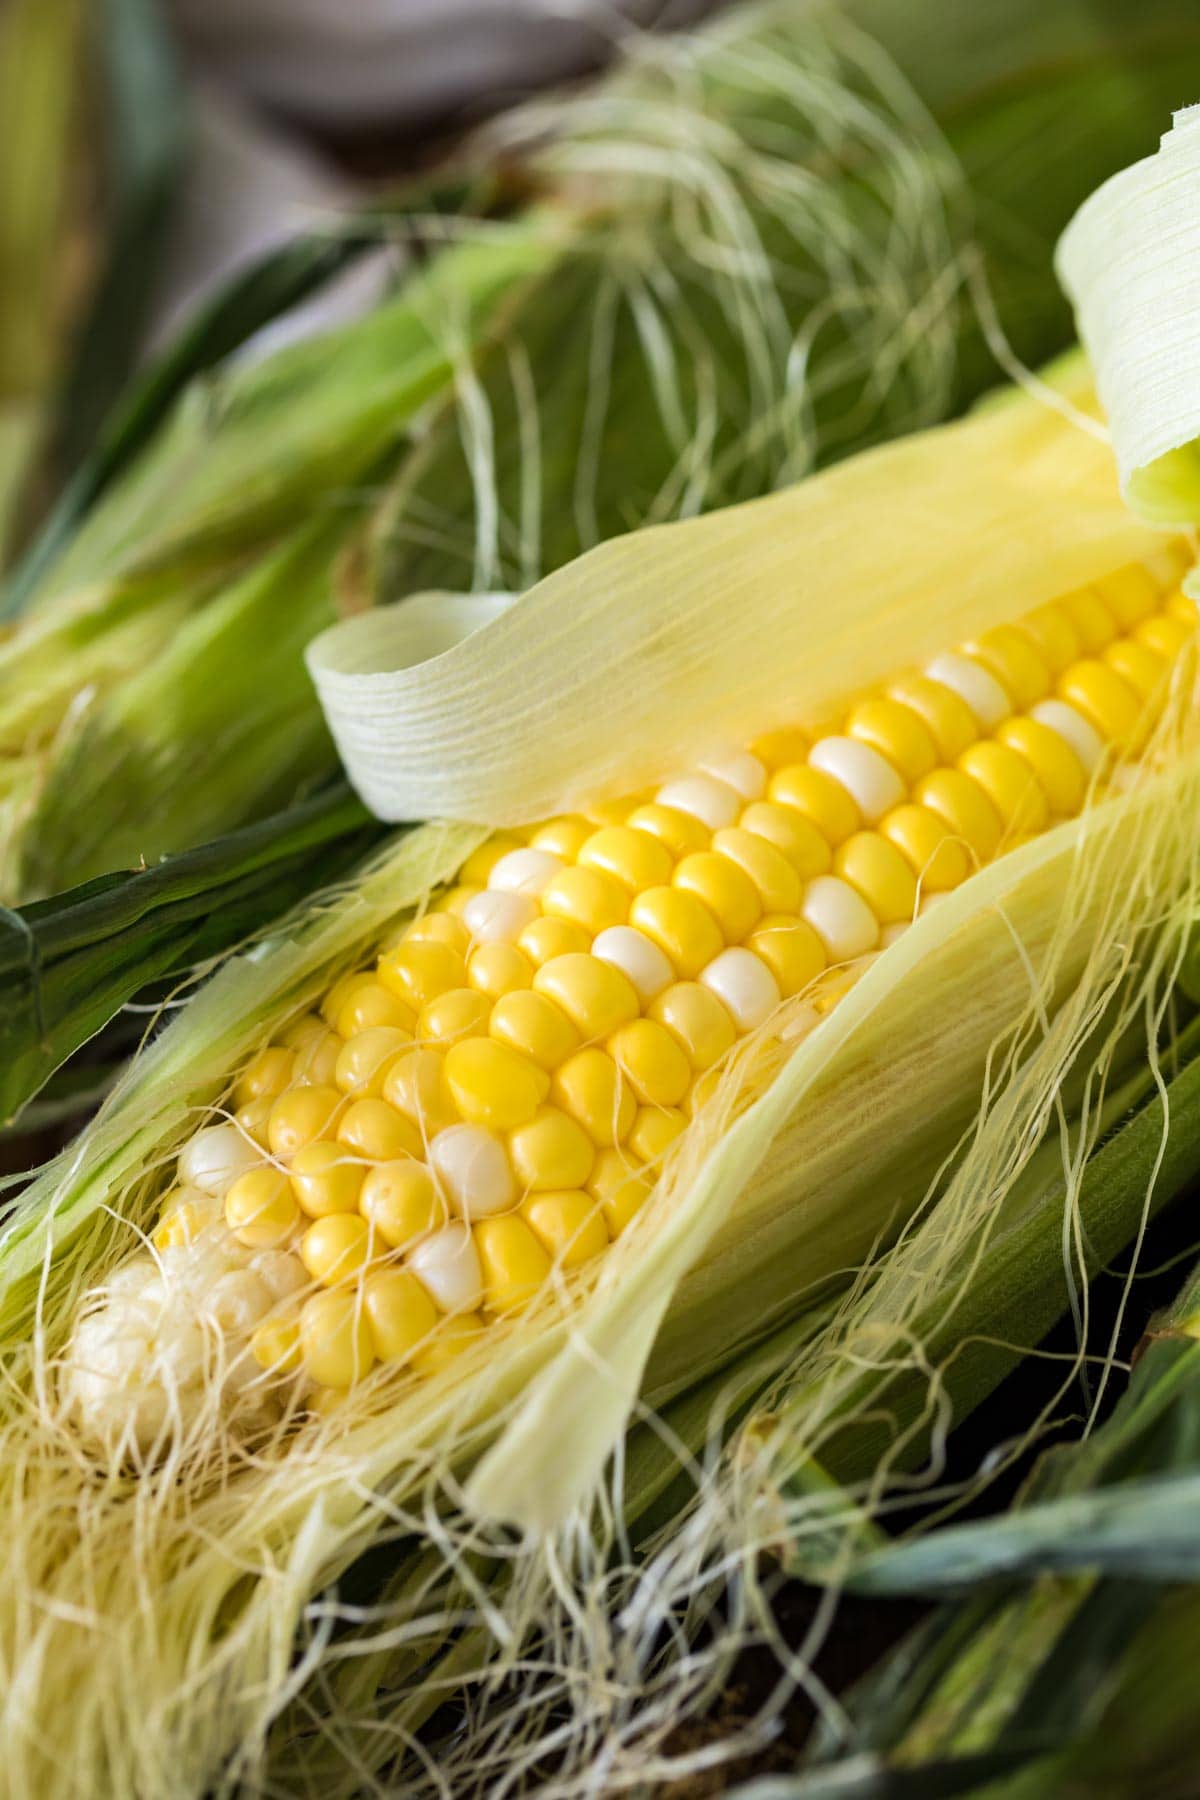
pixel 810 1155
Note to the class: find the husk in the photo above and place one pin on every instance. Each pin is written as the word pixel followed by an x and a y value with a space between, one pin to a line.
pixel 162 1608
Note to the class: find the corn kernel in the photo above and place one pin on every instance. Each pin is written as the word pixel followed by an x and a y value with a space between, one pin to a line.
pixel 498 969
pixel 266 1077
pixel 371 1004
pixel 680 832
pixel 316 1061
pixel 965 808
pixel 876 869
pixel 303 1031
pixel 260 1209
pixel 300 1116
pixel 714 803
pixel 535 1025
pixel 564 836
pixel 455 900
pixel 338 995
pixel 610 812
pixel 551 1151
pixel 897 733
pixel 1092 620
pixel 633 858
pixel 1011 656
pixel 724 888
pixel 987 699
pixel 1058 770
pixel 1141 667
pixel 449 1341
pixel 336 1247
pixel 254 1119
pixel 621 1189
pixel 1105 701
pixel 185 1214
pixel 654 1131
pixel 1166 636
pixel 365 1059
pixel 1054 636
pixel 590 1087
pixel 335 1339
pixel 438 928
pixel 479 865
pixel 791 950
pixel 514 1264
pixel 493 1085
pixel 415 1085
pixel 373 1129
pixel 545 939
pixel 698 1019
pixel 681 925
pixel 652 1062
pixel 460 1013
pixel 525 871
pixel 446 1263
pixel 1010 784
pixel 586 897
pixel 1130 594
pixel 568 1224
pixel 401 1314
pixel 326 1178
pixel 399 1199
pixel 947 718
pixel 420 969
pixel 744 985
pixel 938 859
pixel 776 749
pixel 595 996
pixel 772 876
pixel 820 799
pixel 841 918
pixel 275 1346
pixel 789 832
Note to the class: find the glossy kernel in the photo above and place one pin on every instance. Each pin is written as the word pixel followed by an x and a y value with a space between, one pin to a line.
pixel 552 1151
pixel 964 806
pixel 564 836
pixel 364 1060
pixel 1092 620
pixel 1054 636
pixel 440 928
pixel 818 798
pixel 1058 770
pixel 694 1015
pixel 590 1087
pixel 874 866
pixel 568 1224
pixel 681 925
pixel 494 1085
pixel 586 897
pixel 1166 636
pixel 459 1013
pixel 326 1178
pixel 724 888
pixel 1010 655
pixel 373 1129
pixel 680 832
pixel 537 1026
pixel 1141 667
pixel 545 939
pixel 1010 784
pixel 936 857
pixel 633 858
pixel 401 1314
pixel 765 866
pixel 415 1085
pixel 654 1131
pixel 898 733
pixel 791 950
pixel 420 969
pixel 948 719
pixel 498 969
pixel 652 1061
pixel 300 1116
pixel 260 1209
pixel 789 832
pixel 1131 594
pixel 514 1264
pixel 275 1346
pixel 1105 700
pixel 621 1189
pixel 399 1199
pixel 336 1247
pixel 335 1338
pixel 373 1004
pixel 595 996
pixel 266 1077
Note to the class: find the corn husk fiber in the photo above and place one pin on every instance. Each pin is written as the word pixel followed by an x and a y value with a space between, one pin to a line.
pixel 809 1164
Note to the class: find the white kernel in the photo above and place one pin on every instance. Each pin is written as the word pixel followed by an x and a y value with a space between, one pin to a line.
pixel 1074 730
pixel 283 1273
pixel 738 770
pixel 800 1022
pixel 447 1266
pixel 497 918
pixel 867 777
pixel 474 1170
pixel 213 1159
pixel 237 1302
pixel 637 956
pixel 980 690
pixel 743 982
pixel 840 917
pixel 524 871
pixel 713 802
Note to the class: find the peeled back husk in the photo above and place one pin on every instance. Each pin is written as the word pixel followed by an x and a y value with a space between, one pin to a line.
pixel 934 1077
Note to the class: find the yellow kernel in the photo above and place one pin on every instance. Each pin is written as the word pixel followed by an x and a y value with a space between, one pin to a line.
pixel 590 1087
pixel 415 1085
pixel 182 1223
pixel 724 888
pixel 439 928
pixel 266 1077
pixel 260 1210
pixel 1053 635
pixel 1141 667
pixel 316 1061
pixel 652 1062
pixel 535 1025
pixel 621 1189
pixel 697 1018
pixel 326 1178
pixel 1092 620
pixel 898 733
pixel 275 1345
pixel 371 1004
pixel 1058 770
pixel 564 836
pixel 514 1264
pixel 774 878
pixel 655 1130
pixel 776 749
pixel 610 812
pixel 497 969
pixel 452 1337
pixel 400 1312
pixel 1182 607
pixel 551 1151
pixel 569 1226
pixel 420 969
pixel 304 1030
pixel 791 833
pixel 945 714
pixel 938 859
pixel 596 996
pixel 1130 594
pixel 1106 702
pixel 681 925
pixel 1010 655
pixel 965 808
pixel 372 1129
pixel 544 939
pixel 587 898
pixel 300 1116
pixel 341 991
pixel 791 950
pixel 255 1118
pixel 493 1085
pixel 680 832
pixel 454 899
pixel 364 1060
pixel 460 1013
pixel 336 1247
pixel 873 866
pixel 399 1199
pixel 335 1338
pixel 634 858
pixel 820 799
pixel 481 862
pixel 1009 783
pixel 1166 636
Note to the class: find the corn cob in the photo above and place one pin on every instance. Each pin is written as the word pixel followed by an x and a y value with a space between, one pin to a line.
pixel 470 1120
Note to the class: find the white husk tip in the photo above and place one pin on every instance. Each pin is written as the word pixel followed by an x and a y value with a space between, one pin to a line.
pixel 1130 263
